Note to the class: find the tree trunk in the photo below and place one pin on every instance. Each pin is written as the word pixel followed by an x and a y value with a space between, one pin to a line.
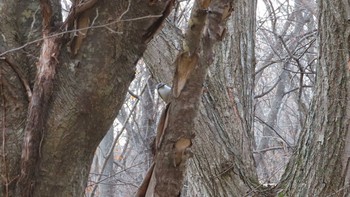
pixel 179 116
pixel 321 165
pixel 222 164
pixel 90 72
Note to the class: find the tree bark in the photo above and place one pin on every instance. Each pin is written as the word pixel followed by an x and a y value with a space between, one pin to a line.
pixel 222 164
pixel 190 71
pixel 320 166
pixel 93 73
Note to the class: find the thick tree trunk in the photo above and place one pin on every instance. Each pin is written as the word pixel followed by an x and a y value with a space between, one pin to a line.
pixel 93 72
pixel 321 165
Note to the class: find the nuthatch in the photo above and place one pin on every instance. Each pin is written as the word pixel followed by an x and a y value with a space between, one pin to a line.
pixel 164 91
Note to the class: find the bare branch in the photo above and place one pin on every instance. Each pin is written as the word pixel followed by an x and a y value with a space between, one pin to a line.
pixel 77 30
pixel 268 91
pixel 262 121
pixel 21 76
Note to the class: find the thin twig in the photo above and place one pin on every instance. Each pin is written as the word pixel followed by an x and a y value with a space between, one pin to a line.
pixel 33 22
pixel 93 183
pixel 76 30
pixel 260 120
pixel 268 91
pixel 268 149
pixel 126 11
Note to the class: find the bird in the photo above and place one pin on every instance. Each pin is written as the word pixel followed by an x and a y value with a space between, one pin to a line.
pixel 164 91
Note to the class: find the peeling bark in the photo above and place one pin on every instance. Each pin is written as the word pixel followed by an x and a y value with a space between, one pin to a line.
pixel 222 163
pixel 37 113
pixel 191 70
pixel 38 106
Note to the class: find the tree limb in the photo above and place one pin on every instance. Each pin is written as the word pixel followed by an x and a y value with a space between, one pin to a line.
pixel 37 110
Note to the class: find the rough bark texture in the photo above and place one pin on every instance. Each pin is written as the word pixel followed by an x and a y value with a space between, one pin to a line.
pixel 89 87
pixel 321 165
pixel 39 101
pixel 16 72
pixel 222 164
